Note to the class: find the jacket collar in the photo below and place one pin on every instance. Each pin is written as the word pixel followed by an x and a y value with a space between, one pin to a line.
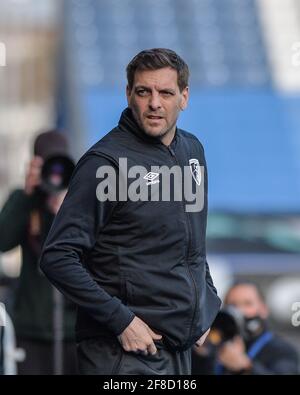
pixel 129 124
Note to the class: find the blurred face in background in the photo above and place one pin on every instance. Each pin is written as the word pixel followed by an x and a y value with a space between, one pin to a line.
pixel 155 100
pixel 246 298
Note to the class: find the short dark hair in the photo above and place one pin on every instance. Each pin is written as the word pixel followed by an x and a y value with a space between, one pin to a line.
pixel 158 58
pixel 251 284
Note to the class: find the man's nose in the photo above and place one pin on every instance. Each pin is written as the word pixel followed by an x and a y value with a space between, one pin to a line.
pixel 154 103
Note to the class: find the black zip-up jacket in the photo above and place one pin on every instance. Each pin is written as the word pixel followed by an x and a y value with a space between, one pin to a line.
pixel 118 259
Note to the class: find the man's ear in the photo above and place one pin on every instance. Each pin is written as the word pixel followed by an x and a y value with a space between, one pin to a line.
pixel 184 98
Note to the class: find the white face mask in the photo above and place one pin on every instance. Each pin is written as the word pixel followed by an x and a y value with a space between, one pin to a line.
pixel 254 326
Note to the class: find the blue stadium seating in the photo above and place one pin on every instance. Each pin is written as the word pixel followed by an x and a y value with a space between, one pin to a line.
pixel 250 131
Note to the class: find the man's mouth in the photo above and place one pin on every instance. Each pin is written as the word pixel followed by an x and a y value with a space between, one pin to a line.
pixel 155 117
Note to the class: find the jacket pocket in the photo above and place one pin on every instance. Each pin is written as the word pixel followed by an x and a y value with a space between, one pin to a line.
pixel 139 364
pixel 125 290
pixel 208 309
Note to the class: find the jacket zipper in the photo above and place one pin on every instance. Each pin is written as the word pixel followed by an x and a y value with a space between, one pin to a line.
pixel 171 151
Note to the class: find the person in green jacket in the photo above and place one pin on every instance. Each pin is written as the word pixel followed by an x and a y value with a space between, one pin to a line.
pixel 25 221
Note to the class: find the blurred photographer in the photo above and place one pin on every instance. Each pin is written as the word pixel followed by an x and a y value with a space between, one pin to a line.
pixel 255 350
pixel 25 220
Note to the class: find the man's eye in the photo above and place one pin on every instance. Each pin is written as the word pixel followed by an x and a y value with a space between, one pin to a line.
pixel 142 92
pixel 166 93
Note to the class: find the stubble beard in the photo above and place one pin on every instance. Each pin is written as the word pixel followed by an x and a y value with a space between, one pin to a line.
pixel 160 135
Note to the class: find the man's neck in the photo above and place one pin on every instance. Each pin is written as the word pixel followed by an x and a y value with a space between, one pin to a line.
pixel 167 138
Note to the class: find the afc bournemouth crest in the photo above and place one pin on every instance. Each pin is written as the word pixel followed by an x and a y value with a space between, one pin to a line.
pixel 195 170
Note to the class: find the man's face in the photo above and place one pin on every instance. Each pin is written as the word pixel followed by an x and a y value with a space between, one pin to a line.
pixel 155 100
pixel 247 300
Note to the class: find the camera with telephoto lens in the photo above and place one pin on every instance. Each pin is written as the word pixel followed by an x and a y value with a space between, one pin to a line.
pixel 56 173
pixel 52 146
pixel 230 322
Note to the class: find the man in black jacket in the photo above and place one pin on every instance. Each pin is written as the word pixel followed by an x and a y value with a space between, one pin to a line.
pixel 25 221
pixel 128 244
pixel 261 352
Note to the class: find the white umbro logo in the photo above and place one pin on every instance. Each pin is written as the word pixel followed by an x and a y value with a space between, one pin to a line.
pixel 151 178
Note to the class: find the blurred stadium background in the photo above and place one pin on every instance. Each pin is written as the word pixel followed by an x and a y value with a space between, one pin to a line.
pixel 63 64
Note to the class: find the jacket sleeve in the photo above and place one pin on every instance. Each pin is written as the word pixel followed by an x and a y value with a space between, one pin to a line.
pixel 13 220
pixel 284 360
pixel 282 367
pixel 209 279
pixel 73 234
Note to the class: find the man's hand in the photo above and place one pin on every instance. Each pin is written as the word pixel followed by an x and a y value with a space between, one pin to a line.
pixel 233 356
pixel 138 337
pixel 200 342
pixel 33 175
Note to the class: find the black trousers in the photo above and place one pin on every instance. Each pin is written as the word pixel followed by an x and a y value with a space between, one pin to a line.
pixel 105 356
